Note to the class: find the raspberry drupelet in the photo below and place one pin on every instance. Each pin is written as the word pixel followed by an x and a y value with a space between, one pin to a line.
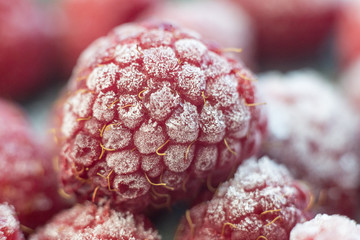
pixel 88 221
pixel 324 227
pixel 9 224
pixel 262 201
pixel 150 112
pixel 27 178
pixel 314 132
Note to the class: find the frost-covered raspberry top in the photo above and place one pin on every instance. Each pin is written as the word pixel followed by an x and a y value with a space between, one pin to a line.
pixel 262 201
pixel 151 111
pixel 324 227
pixel 9 224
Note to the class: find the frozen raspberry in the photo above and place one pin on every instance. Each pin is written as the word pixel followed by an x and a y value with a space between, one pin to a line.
pixel 77 32
pixel 324 227
pixel 351 84
pixel 151 112
pixel 89 221
pixel 348 33
pixel 27 179
pixel 9 224
pixel 313 131
pixel 25 48
pixel 231 28
pixel 262 201
pixel 289 29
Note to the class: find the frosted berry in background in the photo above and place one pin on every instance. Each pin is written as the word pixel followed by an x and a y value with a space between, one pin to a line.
pixel 348 34
pixel 290 29
pixel 82 21
pixel 219 22
pixel 324 227
pixel 350 81
pixel 9 224
pixel 25 49
pixel 88 221
pixel 150 112
pixel 313 131
pixel 262 201
pixel 27 178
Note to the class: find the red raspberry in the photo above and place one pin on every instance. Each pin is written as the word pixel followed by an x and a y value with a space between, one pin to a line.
pixel 290 28
pixel 77 32
pixel 312 131
pixel 27 178
pixel 348 34
pixel 324 227
pixel 88 221
pixel 231 28
pixel 262 201
pixel 151 112
pixel 25 48
pixel 9 224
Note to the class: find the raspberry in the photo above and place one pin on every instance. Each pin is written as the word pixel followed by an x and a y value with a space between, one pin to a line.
pixel 347 34
pixel 27 179
pixel 262 201
pixel 25 49
pixel 77 32
pixel 351 84
pixel 289 28
pixel 312 130
pixel 231 28
pixel 9 224
pixel 152 111
pixel 88 221
pixel 326 227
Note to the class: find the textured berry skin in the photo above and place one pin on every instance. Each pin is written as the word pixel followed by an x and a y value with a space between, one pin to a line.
pixel 348 34
pixel 262 201
pixel 313 131
pixel 151 112
pixel 324 227
pixel 25 49
pixel 77 32
pixel 289 29
pixel 27 178
pixel 9 224
pixel 232 27
pixel 88 221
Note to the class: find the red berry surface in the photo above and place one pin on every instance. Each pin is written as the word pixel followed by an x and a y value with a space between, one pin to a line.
pixel 289 28
pixel 262 201
pixel 77 32
pixel 351 84
pixel 9 224
pixel 312 130
pixel 348 33
pixel 150 112
pixel 88 221
pixel 25 48
pixel 27 178
pixel 230 28
pixel 324 227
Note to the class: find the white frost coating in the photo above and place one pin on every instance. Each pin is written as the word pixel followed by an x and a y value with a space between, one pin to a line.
pixel 156 37
pixel 190 49
pixel 130 111
pixel 136 185
pixel 310 120
pixel 212 124
pixel 93 53
pixel 123 162
pixel 92 126
pixel 149 137
pixel 192 82
pixel 116 137
pixel 174 179
pixel 237 120
pixel 126 53
pixel 131 79
pixel 104 109
pixel 152 165
pixel 69 124
pixel 205 159
pixel 227 157
pixel 84 149
pixel 162 102
pixel 160 62
pixel 8 222
pixel 80 103
pixel 224 90
pixel 126 31
pixel 183 124
pixel 218 65
pixel 103 77
pixel 175 157
pixel 325 227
